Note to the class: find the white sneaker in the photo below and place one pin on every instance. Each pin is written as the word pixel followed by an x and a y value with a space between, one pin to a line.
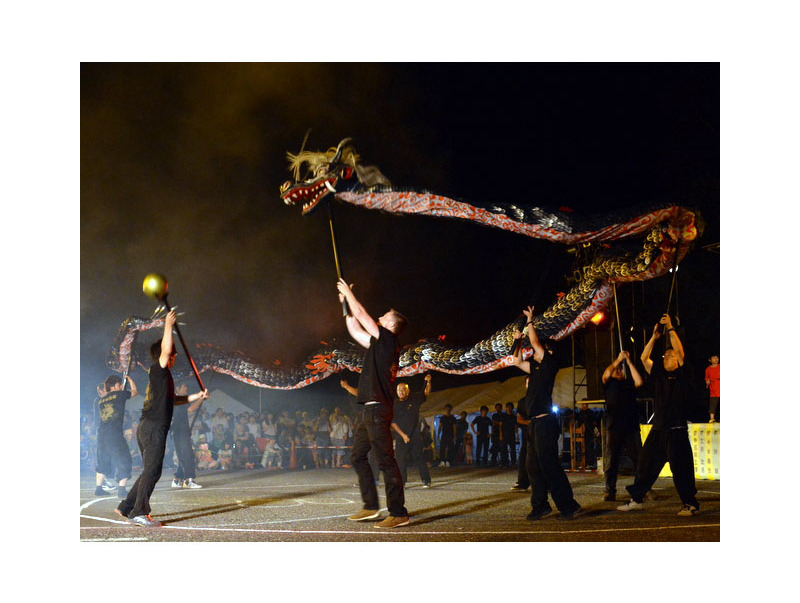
pixel 176 483
pixel 190 483
pixel 631 506
pixel 688 511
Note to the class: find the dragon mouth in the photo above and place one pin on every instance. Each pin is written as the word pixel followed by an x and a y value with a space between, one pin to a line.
pixel 308 194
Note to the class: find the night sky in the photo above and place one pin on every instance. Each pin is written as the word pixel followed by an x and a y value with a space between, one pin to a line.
pixel 181 167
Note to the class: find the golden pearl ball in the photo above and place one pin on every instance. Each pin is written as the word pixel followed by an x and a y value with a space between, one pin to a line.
pixel 155 285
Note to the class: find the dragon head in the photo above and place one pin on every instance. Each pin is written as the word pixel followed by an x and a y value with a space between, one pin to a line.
pixel 327 172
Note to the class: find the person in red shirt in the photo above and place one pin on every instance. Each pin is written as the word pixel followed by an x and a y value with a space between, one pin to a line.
pixel 712 383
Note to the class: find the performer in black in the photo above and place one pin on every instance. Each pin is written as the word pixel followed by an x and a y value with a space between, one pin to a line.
pixel 621 420
pixel 497 436
pixel 509 427
pixel 408 438
pixel 544 469
pixel 480 427
pixel 113 454
pixel 461 430
pixel 154 425
pixel 375 388
pixel 668 440
pixel 447 436
pixel 523 483
pixel 182 441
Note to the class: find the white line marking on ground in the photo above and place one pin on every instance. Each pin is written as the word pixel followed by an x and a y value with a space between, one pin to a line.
pixel 410 532
pixel 113 539
pixel 119 521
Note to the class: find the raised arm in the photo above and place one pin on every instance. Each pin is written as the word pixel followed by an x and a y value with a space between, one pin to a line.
pixel 521 364
pixel 179 400
pixel 134 391
pixel 674 340
pixel 357 310
pixel 349 388
pixel 428 387
pixel 167 344
pixel 538 348
pixel 648 349
pixel 635 374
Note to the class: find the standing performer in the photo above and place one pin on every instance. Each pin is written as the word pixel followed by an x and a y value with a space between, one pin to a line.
pixel 182 441
pixel 668 440
pixel 622 423
pixel 523 483
pixel 375 393
pixel 408 440
pixel 113 453
pixel 544 469
pixel 447 436
pixel 151 436
pixel 480 427
pixel 712 383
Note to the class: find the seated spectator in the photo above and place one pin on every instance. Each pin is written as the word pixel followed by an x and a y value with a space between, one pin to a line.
pixel 254 427
pixel 203 456
pixel 243 446
pixel 272 454
pixel 269 427
pixel 225 456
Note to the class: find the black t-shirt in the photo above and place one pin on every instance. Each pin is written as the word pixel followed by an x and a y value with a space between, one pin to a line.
pixel 509 426
pixel 461 427
pixel 539 397
pixel 669 396
pixel 380 369
pixel 406 412
pixel 160 396
pixel 621 405
pixel 497 425
pixel 483 424
pixel 446 423
pixel 111 409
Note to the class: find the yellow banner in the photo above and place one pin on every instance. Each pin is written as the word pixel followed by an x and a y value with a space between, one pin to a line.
pixel 705 449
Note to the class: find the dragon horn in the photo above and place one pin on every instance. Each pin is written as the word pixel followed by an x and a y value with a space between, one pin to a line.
pixel 339 150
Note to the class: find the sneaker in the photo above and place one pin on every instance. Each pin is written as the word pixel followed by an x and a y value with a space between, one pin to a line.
pixel 365 514
pixel 579 512
pixel 651 495
pixel 537 515
pixel 688 511
pixel 108 486
pixel 610 496
pixel 99 491
pixel 190 483
pixel 122 492
pixel 393 522
pixel 631 506
pixel 145 521
pixel 518 488
pixel 176 483
pixel 426 485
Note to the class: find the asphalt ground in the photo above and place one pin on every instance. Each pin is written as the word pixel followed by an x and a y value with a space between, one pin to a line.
pixel 464 505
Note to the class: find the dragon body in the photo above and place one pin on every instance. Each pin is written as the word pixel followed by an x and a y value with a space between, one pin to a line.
pixel 633 245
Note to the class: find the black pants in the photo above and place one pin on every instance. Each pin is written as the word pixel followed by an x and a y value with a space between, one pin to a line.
pixel 404 453
pixel 544 468
pixel 446 450
pixel 373 433
pixel 482 450
pixel 666 446
pixel 522 474
pixel 152 440
pixel 113 455
pixel 631 441
pixel 510 452
pixel 185 452
pixel 494 450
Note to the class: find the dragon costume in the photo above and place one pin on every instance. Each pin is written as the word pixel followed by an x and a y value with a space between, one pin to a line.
pixel 637 244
